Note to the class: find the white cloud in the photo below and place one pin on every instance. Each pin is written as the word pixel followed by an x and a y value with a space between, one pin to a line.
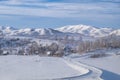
pixel 23 7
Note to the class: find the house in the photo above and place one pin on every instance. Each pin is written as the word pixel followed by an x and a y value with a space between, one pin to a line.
pixel 5 52
pixel 49 53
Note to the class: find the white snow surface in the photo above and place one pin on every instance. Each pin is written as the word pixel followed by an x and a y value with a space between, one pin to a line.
pixel 109 65
pixel 116 32
pixel 72 67
pixel 37 68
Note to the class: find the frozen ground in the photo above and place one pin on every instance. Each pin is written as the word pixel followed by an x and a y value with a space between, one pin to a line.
pixel 37 68
pixel 110 65
pixel 73 67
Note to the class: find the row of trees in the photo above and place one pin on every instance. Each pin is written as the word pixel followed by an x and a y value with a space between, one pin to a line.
pixel 37 49
pixel 28 47
pixel 81 46
pixel 101 43
pixel 14 42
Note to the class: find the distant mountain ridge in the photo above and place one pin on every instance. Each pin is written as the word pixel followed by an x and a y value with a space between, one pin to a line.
pixel 70 29
pixel 86 30
pixel 29 31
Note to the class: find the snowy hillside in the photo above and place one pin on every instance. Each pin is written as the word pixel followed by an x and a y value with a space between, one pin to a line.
pixel 72 30
pixel 29 31
pixel 115 32
pixel 39 31
pixel 7 30
pixel 86 30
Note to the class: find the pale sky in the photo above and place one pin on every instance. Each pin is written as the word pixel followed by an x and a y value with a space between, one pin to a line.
pixel 56 13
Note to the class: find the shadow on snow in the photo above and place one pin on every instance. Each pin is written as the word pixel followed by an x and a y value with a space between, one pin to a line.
pixel 107 75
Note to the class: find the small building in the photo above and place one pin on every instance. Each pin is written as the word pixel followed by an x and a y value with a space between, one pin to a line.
pixel 5 52
pixel 49 53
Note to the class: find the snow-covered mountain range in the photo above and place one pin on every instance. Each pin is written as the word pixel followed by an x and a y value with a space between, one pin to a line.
pixel 115 32
pixel 29 31
pixel 86 30
pixel 71 29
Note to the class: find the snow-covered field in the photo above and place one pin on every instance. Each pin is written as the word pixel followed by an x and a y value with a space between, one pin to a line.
pixel 37 68
pixel 70 67
pixel 109 65
pixel 73 67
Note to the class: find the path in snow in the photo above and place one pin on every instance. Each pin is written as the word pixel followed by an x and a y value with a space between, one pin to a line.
pixel 109 65
pixel 93 73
